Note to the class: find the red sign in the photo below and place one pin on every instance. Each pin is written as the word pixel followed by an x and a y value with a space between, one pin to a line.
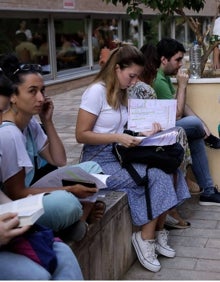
pixel 69 4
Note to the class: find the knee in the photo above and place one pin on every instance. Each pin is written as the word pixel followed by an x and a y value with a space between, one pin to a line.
pixel 61 210
pixel 194 123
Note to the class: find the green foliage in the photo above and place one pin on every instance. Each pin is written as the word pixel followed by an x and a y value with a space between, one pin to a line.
pixel 165 7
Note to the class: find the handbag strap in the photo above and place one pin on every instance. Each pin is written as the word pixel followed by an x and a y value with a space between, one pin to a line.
pixel 141 182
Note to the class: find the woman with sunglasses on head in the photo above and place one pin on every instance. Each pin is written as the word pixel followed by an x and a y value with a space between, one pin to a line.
pixel 25 145
pixel 101 120
pixel 14 266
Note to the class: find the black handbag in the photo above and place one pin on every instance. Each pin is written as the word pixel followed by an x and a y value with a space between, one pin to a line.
pixel 167 158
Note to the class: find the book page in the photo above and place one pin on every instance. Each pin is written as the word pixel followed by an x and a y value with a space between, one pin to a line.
pixel 24 206
pixel 29 209
pixel 77 173
pixel 142 113
pixel 72 173
pixel 165 137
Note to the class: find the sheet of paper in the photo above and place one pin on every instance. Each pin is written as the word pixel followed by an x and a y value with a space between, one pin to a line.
pixel 165 137
pixel 142 113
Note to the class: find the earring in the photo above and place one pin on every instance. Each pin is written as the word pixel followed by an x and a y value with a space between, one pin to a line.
pixel 14 108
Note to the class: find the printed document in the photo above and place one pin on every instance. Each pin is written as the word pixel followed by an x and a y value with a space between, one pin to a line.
pixel 142 113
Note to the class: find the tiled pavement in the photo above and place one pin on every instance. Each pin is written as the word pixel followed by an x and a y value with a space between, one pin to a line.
pixel 197 248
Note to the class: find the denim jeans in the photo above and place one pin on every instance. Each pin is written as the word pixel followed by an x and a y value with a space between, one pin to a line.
pixel 18 267
pixel 195 134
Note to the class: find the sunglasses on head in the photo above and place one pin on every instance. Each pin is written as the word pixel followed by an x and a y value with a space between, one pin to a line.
pixel 29 67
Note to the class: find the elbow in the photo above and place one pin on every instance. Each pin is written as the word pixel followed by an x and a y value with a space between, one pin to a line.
pixel 79 138
pixel 59 162
pixel 179 115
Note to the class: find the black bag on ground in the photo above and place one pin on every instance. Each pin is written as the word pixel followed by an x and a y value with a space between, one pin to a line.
pixel 167 158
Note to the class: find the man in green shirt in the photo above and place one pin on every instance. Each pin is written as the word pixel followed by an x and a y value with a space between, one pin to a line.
pixel 170 53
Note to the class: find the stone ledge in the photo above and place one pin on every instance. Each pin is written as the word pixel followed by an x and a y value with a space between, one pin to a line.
pixel 106 252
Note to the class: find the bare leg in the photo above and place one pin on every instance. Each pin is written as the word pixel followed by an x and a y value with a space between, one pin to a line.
pixel 148 230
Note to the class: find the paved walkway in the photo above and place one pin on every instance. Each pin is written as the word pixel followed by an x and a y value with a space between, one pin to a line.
pixel 197 248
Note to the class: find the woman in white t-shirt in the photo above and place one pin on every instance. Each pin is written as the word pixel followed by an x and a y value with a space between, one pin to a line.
pixel 25 148
pixel 67 265
pixel 101 120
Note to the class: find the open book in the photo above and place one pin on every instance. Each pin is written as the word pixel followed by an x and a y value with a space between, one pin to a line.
pixel 78 175
pixel 29 209
pixel 71 175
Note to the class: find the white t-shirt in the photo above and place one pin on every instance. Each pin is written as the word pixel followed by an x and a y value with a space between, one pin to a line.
pixel 13 152
pixel 27 32
pixel 216 28
pixel 108 120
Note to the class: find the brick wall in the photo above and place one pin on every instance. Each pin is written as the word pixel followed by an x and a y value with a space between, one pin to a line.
pixel 95 6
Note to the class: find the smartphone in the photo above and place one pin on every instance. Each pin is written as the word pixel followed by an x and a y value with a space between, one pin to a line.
pixel 72 182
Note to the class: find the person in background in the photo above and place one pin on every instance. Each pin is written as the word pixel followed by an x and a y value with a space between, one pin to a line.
pixel 26 146
pixel 100 123
pixel 23 29
pixel 144 90
pixel 171 53
pixel 14 266
pixel 216 51
pixel 25 50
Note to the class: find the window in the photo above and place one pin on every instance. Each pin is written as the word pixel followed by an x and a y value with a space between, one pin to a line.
pixel 27 38
pixel 71 51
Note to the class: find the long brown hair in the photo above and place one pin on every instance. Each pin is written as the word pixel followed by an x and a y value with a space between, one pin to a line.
pixel 152 63
pixel 123 56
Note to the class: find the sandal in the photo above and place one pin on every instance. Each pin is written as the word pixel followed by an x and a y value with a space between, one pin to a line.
pixel 97 212
pixel 171 222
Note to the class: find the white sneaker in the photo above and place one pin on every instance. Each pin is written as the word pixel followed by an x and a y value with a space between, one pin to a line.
pixel 145 250
pixel 161 244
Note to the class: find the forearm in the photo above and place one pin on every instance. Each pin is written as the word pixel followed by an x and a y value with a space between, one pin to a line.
pixel 181 100
pixel 92 138
pixel 22 193
pixel 55 145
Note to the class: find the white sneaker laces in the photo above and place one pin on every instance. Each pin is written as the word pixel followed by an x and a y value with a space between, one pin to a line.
pixel 149 251
pixel 163 238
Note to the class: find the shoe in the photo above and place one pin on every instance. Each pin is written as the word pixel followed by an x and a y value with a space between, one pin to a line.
pixel 173 223
pixel 212 142
pixel 145 250
pixel 210 200
pixel 161 244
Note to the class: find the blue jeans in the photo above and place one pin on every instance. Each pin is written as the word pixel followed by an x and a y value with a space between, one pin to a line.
pixel 195 134
pixel 61 209
pixel 18 267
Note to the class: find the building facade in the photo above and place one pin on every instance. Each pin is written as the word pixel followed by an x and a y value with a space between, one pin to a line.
pixel 66 36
